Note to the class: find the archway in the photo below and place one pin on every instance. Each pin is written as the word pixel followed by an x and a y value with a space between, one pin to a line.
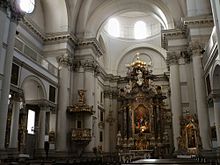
pixel 34 93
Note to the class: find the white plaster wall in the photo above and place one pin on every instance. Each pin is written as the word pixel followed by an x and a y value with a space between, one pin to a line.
pixel 36 67
pixel 158 63
pixel 56 19
pixel 32 41
pixel 5 37
pixel 191 88
pixel 24 73
pixel 38 15
pixel 2 61
pixel 115 52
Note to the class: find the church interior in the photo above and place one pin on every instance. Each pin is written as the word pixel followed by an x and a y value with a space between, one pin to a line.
pixel 108 81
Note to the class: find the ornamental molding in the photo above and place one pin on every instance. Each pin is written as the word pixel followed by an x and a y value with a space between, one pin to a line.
pixel 172 58
pixel 41 103
pixel 88 63
pixel 111 92
pixel 195 48
pixel 171 34
pixel 27 23
pixel 198 21
pixel 91 43
pixel 64 60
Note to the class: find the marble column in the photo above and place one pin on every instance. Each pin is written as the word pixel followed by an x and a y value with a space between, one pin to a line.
pixel 91 121
pixel 63 101
pixel 13 143
pixel 107 129
pixel 7 78
pixel 217 117
pixel 175 95
pixel 3 16
pixel 42 123
pixel 201 102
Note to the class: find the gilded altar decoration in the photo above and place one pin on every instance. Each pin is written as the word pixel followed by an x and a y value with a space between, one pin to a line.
pixel 81 134
pixel 142 115
pixel 82 112
pixel 189 140
pixel 81 106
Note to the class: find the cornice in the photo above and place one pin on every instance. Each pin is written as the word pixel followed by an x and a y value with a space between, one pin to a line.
pixel 93 43
pixel 198 21
pixel 47 37
pixel 171 34
pixel 172 58
pixel 41 103
pixel 110 92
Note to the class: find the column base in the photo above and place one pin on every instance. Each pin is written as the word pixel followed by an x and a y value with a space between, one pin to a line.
pixel 40 153
pixel 3 155
pixel 12 153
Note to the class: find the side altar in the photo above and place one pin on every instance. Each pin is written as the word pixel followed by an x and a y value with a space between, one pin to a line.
pixel 142 113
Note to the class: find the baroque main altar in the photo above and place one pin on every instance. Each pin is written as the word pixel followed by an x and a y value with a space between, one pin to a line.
pixel 142 114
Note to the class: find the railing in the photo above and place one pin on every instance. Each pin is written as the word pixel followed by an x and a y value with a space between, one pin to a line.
pixel 81 134
pixel 35 56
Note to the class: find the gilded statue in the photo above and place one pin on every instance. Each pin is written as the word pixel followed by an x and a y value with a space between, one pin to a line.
pixel 82 98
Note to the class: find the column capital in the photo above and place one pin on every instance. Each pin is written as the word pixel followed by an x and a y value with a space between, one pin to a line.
pixel 64 60
pixel 15 13
pixel 195 47
pixel 4 4
pixel 215 95
pixel 172 58
pixel 185 55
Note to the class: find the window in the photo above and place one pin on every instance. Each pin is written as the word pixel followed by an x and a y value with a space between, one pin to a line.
pixel 208 85
pixel 101 116
pixel 101 97
pixel 113 27
pixel 100 136
pixel 14 74
pixel 31 121
pixel 47 123
pixel 79 124
pixel 52 93
pixel 27 6
pixel 140 31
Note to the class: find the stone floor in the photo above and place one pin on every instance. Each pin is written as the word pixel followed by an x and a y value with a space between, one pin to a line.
pixel 168 161
pixel 137 162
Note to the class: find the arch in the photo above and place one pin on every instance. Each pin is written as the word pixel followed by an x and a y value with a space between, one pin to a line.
pixel 157 49
pixel 33 88
pixel 216 76
pixel 113 7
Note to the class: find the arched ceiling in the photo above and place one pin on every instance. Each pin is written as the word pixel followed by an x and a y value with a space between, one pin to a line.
pixel 90 21
pixel 55 16
pixel 85 17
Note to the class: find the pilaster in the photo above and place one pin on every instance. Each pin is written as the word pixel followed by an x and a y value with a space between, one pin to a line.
pixel 14 18
pixel 64 61
pixel 201 103
pixel 172 59
pixel 216 99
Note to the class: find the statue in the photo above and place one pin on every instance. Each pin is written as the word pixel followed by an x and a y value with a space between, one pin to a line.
pixel 82 98
pixel 140 77
pixel 128 87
